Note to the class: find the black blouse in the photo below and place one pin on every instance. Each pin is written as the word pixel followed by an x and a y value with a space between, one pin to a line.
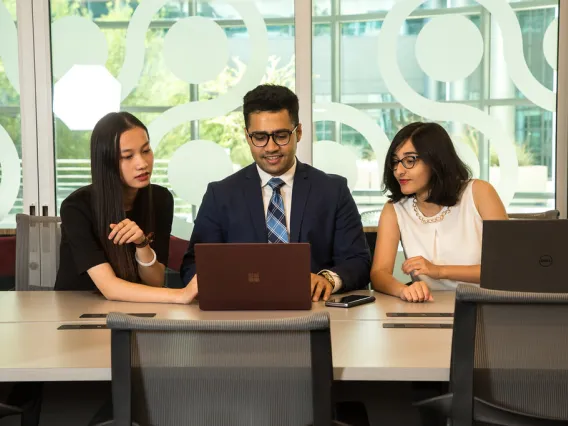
pixel 80 246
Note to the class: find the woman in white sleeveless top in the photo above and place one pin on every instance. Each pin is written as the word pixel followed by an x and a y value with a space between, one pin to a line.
pixel 436 210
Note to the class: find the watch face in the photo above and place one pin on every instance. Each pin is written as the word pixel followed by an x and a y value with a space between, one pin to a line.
pixel 328 277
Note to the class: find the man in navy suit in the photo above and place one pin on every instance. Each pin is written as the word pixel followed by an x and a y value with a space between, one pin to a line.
pixel 278 199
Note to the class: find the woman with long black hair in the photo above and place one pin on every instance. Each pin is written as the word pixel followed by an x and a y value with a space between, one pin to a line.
pixel 116 231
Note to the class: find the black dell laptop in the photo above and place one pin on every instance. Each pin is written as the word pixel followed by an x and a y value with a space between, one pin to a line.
pixel 525 255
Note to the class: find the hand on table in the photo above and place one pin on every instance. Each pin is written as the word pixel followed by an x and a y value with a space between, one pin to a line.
pixel 321 288
pixel 416 292
pixel 189 292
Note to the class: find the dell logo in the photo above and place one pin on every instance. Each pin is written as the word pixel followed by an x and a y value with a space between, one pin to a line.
pixel 253 277
pixel 545 261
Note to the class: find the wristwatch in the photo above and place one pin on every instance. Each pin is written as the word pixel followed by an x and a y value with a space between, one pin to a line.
pixel 147 240
pixel 328 277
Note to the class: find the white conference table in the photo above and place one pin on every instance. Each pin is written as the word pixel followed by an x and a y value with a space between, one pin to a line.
pixel 33 349
pixel 41 306
pixel 361 350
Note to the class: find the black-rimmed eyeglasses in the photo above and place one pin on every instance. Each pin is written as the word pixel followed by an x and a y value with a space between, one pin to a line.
pixel 408 162
pixel 280 137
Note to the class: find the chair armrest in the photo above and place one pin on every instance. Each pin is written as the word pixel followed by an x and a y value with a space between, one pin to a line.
pixel 484 411
pixel 9 410
pixel 439 404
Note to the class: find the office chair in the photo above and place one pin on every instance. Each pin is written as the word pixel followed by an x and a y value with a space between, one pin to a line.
pixel 370 218
pixel 259 372
pixel 37 259
pixel 509 360
pixel 25 401
pixel 37 251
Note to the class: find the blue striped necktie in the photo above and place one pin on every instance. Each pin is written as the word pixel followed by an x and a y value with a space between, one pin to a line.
pixel 276 216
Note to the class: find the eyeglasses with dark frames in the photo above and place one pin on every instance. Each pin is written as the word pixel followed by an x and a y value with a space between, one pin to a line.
pixel 280 137
pixel 407 162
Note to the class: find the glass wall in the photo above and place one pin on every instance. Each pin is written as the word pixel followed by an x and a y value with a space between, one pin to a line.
pixel 182 67
pixel 10 124
pixel 483 69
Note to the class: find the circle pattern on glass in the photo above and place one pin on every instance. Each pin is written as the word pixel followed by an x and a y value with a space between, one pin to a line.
pixel 196 49
pixel 449 48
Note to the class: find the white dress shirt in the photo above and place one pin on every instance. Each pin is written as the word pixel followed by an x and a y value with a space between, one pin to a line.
pixel 286 193
pixel 455 240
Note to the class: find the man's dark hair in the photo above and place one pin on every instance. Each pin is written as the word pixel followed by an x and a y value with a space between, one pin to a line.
pixel 435 147
pixel 272 98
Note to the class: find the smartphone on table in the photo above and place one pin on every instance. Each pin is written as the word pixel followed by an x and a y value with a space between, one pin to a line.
pixel 349 301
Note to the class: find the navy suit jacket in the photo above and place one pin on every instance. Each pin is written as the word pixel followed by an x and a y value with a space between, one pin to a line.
pixel 323 214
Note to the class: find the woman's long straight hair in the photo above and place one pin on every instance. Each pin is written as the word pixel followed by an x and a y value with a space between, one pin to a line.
pixel 107 184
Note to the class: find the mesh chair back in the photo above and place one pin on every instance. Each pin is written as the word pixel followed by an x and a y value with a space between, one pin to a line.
pixel 510 350
pixel 37 251
pixel 547 215
pixel 370 218
pixel 271 372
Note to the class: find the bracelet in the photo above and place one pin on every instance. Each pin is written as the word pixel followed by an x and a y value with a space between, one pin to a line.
pixel 146 264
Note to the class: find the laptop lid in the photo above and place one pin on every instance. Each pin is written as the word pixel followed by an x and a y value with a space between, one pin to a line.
pixel 233 276
pixel 525 255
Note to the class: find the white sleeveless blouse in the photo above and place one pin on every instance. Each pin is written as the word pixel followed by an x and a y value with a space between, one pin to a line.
pixel 456 240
